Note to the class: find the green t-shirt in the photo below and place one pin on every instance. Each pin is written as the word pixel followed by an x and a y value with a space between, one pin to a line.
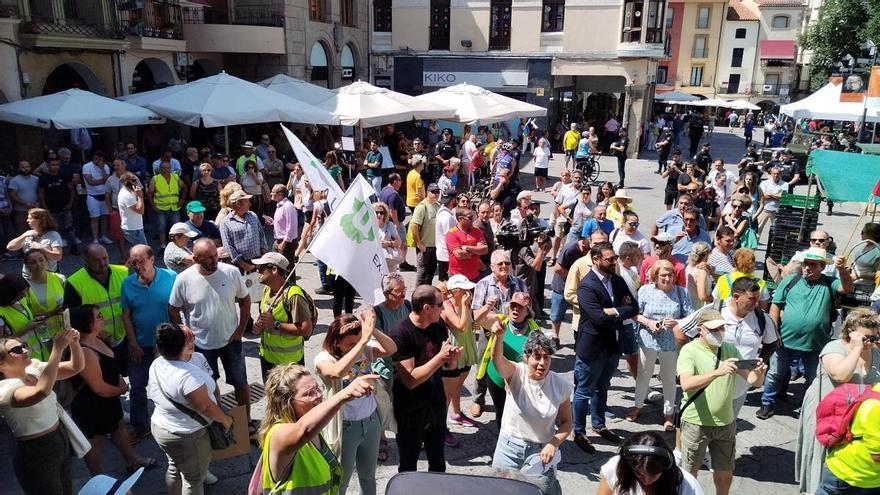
pixel 425 216
pixel 386 319
pixel 513 349
pixel 714 407
pixel 806 324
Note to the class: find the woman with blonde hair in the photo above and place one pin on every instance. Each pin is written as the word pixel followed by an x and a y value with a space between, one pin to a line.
pixel 744 264
pixel 295 455
pixel 661 303
pixel 225 209
pixel 207 190
pixel 699 280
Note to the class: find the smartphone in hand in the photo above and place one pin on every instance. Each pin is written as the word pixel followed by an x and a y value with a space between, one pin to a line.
pixel 746 364
pixel 65 318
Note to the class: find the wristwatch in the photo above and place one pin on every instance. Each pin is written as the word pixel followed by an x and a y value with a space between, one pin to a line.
pixel 277 325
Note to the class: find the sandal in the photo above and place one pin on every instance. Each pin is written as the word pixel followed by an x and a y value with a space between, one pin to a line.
pixel 141 462
pixel 634 414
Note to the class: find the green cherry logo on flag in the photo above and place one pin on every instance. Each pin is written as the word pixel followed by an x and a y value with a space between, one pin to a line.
pixel 356 224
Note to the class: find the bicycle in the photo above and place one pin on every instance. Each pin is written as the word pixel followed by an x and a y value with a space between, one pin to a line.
pixel 589 166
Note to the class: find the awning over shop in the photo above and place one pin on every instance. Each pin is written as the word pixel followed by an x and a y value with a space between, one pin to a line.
pixel 778 49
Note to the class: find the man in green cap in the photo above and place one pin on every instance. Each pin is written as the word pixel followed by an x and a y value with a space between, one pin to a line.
pixel 195 210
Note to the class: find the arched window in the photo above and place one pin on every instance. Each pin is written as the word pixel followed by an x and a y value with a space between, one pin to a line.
pixel 347 63
pixel 320 66
pixel 780 21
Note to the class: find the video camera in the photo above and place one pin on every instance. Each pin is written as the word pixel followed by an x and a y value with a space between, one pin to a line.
pixel 512 236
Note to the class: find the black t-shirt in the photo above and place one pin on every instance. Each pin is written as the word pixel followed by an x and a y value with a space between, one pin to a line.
pixel 56 191
pixel 683 179
pixel 567 256
pixel 624 142
pixel 446 150
pixel 207 229
pixel 421 345
pixel 672 178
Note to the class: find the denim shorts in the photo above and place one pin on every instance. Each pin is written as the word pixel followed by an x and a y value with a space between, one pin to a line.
pixel 628 344
pixel 232 358
pixel 558 306
pixel 134 237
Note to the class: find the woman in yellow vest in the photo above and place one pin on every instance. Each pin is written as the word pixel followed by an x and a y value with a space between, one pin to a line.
pixel 17 319
pixel 45 298
pixel 295 456
pixel 167 193
pixel 744 262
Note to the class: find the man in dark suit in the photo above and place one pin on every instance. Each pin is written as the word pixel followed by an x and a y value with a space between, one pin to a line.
pixel 605 302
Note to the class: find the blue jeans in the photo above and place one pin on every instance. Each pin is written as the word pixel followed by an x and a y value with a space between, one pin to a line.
pixel 591 381
pixel 134 237
pixel 138 375
pixel 511 454
pixel 376 182
pixel 165 219
pixel 360 446
pixel 558 306
pixel 322 273
pixel 832 485
pixel 780 371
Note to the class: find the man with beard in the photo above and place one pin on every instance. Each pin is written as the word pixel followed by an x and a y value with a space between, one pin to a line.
pixel 208 293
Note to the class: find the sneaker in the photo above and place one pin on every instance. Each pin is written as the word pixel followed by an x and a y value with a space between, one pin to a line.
pixel 654 396
pixel 766 412
pixel 105 240
pixel 450 440
pixel 476 410
pixel 323 290
pixel 462 420
pixel 211 479
pixel 406 267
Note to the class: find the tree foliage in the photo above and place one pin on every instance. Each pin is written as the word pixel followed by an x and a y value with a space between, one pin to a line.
pixel 843 25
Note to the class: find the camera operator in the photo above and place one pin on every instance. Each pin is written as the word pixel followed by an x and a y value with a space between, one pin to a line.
pixel 791 169
pixel 529 258
pixel 750 162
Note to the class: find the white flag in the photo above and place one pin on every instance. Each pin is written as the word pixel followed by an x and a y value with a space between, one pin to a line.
pixel 314 169
pixel 349 242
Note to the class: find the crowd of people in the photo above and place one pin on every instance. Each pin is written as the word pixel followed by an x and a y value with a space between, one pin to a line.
pixel 680 290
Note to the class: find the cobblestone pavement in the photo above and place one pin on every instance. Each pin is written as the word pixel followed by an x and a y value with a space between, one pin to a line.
pixel 765 449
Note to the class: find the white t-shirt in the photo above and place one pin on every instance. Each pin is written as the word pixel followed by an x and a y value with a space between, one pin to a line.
pixel 50 239
pixel 745 335
pixel 178 378
pixel 531 407
pixel 730 178
pixel 25 421
pixel 467 150
pixel 689 485
pixel 445 221
pixel 129 219
pixel 620 237
pixel 212 314
pixel 114 185
pixel 542 157
pixel 96 173
pixel 362 407
pixel 770 187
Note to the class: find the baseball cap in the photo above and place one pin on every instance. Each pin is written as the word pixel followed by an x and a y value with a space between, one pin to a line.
pixel 272 258
pixel 182 228
pixel 522 299
pixel 447 197
pixel 195 207
pixel 711 319
pixel 248 144
pixel 433 187
pixel 459 281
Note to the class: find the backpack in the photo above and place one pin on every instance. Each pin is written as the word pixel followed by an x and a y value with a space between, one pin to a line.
pixel 832 313
pixel 835 413
pixel 759 314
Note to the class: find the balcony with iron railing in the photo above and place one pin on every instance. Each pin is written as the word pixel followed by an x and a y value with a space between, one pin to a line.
pixel 243 26
pixel 266 13
pixel 45 22
pixel 161 19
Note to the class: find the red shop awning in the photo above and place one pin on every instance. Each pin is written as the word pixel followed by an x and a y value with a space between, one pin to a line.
pixel 778 49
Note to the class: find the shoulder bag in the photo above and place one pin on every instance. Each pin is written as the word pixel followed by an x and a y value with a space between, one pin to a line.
pixel 676 420
pixel 220 437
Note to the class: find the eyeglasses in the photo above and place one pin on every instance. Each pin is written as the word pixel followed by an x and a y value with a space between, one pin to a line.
pixel 818 240
pixel 310 394
pixel 19 350
pixel 612 259
pixel 435 191
pixel 737 205
pixel 502 263
pixel 261 268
